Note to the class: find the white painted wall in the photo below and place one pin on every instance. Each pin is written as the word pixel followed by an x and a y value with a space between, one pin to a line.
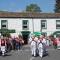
pixel 16 23
pixel 36 25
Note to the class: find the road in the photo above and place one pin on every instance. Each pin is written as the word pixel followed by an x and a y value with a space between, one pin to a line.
pixel 25 54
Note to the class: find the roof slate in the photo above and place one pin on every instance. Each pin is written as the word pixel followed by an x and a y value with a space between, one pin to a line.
pixel 28 15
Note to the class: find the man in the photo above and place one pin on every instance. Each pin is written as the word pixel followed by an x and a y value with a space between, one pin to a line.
pixel 33 45
pixel 40 46
pixel 44 43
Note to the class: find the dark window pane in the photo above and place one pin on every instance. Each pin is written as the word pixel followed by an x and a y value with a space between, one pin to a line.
pixel 43 24
pixel 3 25
pixel 58 24
pixel 25 21
pixel 24 26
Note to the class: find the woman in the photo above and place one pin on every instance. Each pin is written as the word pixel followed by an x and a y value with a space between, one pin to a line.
pixel 3 46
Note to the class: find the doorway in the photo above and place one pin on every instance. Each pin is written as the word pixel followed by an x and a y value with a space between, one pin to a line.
pixel 25 35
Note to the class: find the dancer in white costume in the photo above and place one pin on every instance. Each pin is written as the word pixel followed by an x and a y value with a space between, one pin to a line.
pixel 44 41
pixel 40 47
pixel 33 45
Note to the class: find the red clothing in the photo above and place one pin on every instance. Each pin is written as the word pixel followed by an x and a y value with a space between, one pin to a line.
pixel 2 42
pixel 55 42
pixel 58 41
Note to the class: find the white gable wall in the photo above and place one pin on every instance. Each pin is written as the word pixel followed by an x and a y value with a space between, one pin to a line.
pixel 16 23
pixel 37 26
pixel 51 26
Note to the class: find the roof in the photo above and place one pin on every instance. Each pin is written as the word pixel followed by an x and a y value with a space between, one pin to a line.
pixel 28 15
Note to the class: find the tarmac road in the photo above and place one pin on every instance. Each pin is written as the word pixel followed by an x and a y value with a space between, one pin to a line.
pixel 25 54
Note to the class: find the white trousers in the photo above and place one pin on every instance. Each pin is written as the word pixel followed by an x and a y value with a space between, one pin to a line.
pixel 33 50
pixel 40 48
pixel 2 48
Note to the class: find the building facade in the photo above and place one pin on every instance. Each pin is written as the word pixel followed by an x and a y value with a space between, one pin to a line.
pixel 47 23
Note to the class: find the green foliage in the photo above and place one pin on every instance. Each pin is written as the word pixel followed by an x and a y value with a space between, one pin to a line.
pixel 57 33
pixel 6 32
pixel 33 8
pixel 25 32
pixel 57 6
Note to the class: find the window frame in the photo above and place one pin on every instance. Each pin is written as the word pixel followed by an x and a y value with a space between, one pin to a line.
pixel 26 25
pixel 45 22
pixel 5 23
pixel 57 21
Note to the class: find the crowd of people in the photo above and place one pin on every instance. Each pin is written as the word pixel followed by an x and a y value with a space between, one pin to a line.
pixel 39 45
pixel 8 43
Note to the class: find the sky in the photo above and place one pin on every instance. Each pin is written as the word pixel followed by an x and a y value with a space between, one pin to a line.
pixel 47 6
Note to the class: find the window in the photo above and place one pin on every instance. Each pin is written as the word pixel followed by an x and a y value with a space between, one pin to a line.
pixel 57 24
pixel 4 24
pixel 43 24
pixel 25 24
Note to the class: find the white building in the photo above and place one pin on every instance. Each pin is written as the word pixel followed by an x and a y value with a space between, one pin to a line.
pixel 47 23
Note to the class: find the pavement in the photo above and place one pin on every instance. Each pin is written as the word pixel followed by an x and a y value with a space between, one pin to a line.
pixel 25 54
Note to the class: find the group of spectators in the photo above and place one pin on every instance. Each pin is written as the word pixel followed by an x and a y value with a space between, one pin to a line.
pixel 38 44
pixel 55 41
pixel 10 43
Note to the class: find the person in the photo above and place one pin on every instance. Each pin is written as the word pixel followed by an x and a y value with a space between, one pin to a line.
pixel 10 43
pixel 55 43
pixel 40 46
pixel 14 43
pixel 7 44
pixel 17 43
pixel 21 42
pixel 3 45
pixel 33 45
pixel 47 42
pixel 58 42
pixel 50 41
pixel 0 45
pixel 36 40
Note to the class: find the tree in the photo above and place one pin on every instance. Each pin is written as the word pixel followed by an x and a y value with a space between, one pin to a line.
pixel 57 6
pixel 33 8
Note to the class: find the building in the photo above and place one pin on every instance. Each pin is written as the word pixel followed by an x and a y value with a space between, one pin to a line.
pixel 27 22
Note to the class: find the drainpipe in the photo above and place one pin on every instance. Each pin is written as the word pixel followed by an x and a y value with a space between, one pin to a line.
pixel 33 24
pixel 41 27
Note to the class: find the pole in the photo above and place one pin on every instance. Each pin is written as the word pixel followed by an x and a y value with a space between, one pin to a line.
pixel 33 24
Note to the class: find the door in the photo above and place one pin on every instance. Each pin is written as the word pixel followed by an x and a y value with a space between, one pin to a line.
pixel 25 35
